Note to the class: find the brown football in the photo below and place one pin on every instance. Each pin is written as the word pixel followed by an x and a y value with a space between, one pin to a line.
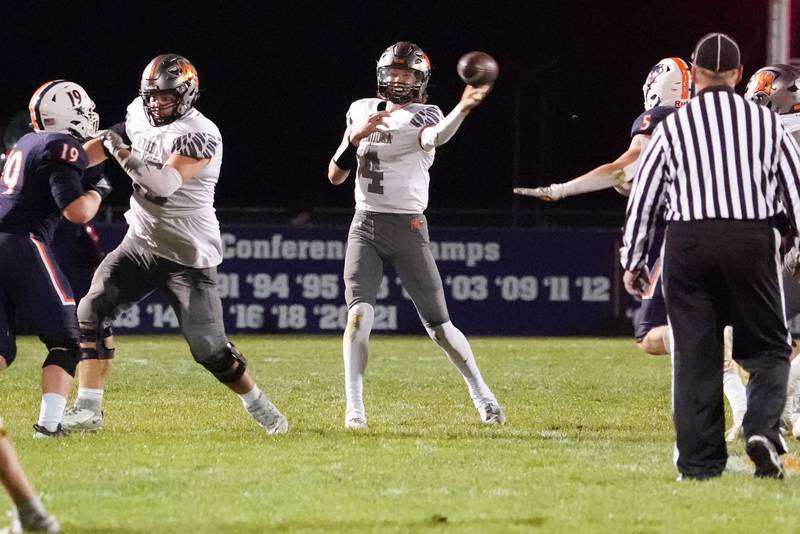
pixel 477 68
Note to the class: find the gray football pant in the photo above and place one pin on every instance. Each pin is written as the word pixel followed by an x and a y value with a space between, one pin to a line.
pixel 129 274
pixel 402 241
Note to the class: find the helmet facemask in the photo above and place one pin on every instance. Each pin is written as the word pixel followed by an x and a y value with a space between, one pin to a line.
pixel 168 75
pixel 395 84
pixel 400 85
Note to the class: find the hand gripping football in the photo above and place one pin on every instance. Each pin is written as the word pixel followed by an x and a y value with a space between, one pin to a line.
pixel 477 68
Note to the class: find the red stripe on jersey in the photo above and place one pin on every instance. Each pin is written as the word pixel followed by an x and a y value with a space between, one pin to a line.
pixel 654 276
pixel 66 300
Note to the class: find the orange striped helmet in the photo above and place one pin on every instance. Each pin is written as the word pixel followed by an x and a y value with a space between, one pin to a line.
pixel 668 84
pixel 168 75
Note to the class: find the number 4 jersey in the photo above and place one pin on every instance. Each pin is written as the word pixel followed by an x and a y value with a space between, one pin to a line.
pixel 392 175
pixel 41 177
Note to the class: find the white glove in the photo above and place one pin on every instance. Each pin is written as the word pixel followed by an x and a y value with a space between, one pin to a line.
pixel 549 193
pixel 113 143
pixel 791 261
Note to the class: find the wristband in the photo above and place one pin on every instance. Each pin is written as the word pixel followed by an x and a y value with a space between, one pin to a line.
pixel 347 158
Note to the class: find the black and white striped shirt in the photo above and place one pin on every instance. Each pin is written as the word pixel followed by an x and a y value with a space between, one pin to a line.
pixel 718 157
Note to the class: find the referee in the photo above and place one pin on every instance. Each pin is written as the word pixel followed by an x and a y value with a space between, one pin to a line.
pixel 720 168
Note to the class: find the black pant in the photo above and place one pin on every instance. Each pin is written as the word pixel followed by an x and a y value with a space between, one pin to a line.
pixel 718 273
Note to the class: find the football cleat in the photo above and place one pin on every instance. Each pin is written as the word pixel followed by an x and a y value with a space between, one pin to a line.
pixel 491 413
pixel 355 420
pixel 268 416
pixel 45 523
pixel 40 432
pixel 765 456
pixel 82 420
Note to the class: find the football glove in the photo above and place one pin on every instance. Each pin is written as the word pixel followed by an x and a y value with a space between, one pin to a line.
pixel 113 143
pixel 549 193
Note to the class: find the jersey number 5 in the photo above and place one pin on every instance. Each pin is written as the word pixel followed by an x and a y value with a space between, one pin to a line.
pixel 645 122
pixel 373 173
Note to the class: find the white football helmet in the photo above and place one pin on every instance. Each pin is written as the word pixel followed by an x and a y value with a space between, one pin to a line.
pixel 776 88
pixel 63 106
pixel 667 84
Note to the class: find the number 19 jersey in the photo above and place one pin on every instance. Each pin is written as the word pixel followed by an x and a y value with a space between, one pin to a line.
pixel 392 174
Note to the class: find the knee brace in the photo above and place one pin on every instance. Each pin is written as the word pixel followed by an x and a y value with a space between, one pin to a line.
pixel 65 358
pixel 227 366
pixel 89 335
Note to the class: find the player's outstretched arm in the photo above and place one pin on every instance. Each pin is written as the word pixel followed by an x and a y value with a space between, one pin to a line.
pixel 615 174
pixel 445 129
pixel 163 181
pixel 94 149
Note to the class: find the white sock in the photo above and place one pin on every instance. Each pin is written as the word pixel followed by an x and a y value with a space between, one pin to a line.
pixel 668 339
pixel 89 399
pixel 455 345
pixel 355 349
pixel 736 393
pixel 251 398
pixel 51 410
pixel 792 391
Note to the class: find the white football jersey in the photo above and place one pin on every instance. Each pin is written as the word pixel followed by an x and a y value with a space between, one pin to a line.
pixel 182 227
pixel 792 123
pixel 392 174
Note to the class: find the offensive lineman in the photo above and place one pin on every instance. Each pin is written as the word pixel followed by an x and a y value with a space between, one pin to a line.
pixel 391 140
pixel 776 87
pixel 173 154
pixel 666 88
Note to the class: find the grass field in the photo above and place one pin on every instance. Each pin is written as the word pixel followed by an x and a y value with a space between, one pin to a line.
pixel 587 446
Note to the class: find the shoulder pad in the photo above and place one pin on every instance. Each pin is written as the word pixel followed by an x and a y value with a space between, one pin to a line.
pixel 63 148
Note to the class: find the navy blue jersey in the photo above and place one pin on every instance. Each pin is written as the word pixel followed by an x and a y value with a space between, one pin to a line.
pixel 647 121
pixel 42 175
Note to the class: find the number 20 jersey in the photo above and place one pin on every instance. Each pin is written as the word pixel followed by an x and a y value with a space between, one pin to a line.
pixel 392 175
pixel 183 227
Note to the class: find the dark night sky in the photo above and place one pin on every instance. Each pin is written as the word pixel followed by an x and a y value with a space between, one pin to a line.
pixel 278 77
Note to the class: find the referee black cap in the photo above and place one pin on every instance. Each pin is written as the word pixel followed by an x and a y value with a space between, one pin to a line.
pixel 717 52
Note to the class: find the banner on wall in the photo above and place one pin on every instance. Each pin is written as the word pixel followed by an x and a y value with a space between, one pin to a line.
pixel 286 279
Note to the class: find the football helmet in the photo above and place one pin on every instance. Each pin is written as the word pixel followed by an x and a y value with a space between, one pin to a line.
pixel 407 56
pixel 775 87
pixel 168 74
pixel 667 84
pixel 63 106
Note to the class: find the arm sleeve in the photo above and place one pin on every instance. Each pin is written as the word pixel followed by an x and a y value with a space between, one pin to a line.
pixel 160 182
pixel 66 161
pixel 65 184
pixel 444 129
pixel 644 203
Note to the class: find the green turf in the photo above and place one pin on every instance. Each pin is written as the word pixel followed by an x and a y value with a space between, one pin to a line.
pixel 587 447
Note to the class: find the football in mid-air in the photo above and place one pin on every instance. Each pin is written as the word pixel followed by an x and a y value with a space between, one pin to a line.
pixel 477 68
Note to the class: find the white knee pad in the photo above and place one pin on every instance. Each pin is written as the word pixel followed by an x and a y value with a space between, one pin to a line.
pixel 360 318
